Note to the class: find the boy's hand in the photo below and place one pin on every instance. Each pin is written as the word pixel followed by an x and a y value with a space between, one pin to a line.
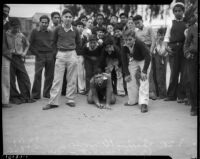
pixel 143 76
pixel 128 78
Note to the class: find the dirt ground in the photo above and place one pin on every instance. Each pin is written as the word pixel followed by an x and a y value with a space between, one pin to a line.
pixel 167 129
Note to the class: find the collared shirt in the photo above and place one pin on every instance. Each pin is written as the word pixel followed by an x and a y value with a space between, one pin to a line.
pixel 146 35
pixel 168 31
pixel 67 29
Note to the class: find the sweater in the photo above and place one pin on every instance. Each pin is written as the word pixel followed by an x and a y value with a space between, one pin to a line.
pixel 141 52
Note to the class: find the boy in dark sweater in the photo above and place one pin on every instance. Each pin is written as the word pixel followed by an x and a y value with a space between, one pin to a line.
pixel 91 54
pixel 174 39
pixel 136 55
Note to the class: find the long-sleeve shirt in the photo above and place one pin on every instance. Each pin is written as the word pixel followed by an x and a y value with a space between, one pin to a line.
pixel 141 52
pixel 67 39
pixel 41 41
pixel 190 45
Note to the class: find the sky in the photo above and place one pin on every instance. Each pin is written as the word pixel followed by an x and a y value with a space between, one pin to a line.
pixel 28 10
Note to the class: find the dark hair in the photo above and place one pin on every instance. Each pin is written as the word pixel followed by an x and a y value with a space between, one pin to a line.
pixel 161 31
pixel 83 17
pixel 92 37
pixel 118 27
pixel 137 17
pixel 129 33
pixel 44 17
pixel 54 13
pixel 110 24
pixel 99 14
pixel 123 14
pixel 108 41
pixel 113 15
pixel 178 5
pixel 79 23
pixel 101 29
pixel 6 6
pixel 67 11
pixel 14 22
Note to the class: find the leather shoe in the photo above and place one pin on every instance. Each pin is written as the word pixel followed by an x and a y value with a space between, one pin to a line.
pixel 180 100
pixel 30 100
pixel 49 106
pixel 144 108
pixel 71 104
pixel 170 99
pixel 6 106
pixel 127 104
pixel 152 96
pixel 193 113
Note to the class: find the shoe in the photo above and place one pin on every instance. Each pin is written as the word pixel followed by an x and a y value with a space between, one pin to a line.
pixel 144 108
pixel 30 100
pixel 193 113
pixel 49 106
pixel 6 106
pixel 170 99
pixel 84 93
pixel 126 104
pixel 46 96
pixel 71 104
pixel 16 101
pixel 121 95
pixel 36 98
pixel 152 96
pixel 180 101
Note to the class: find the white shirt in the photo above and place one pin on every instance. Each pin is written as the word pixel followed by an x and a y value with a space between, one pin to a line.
pixel 67 29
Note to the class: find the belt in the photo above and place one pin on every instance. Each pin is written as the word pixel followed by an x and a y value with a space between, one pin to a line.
pixel 60 49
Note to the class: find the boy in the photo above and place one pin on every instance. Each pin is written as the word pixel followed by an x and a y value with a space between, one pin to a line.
pixel 91 54
pixel 55 17
pixel 174 40
pixel 67 40
pixel 146 35
pixel 101 89
pixel 100 21
pixel 20 45
pixel 135 55
pixel 42 46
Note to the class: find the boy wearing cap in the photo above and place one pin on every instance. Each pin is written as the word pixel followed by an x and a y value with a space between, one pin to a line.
pixel 174 40
pixel 19 45
pixel 67 41
pixel 91 54
pixel 100 21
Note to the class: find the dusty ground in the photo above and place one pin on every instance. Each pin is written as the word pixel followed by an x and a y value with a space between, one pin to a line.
pixel 167 129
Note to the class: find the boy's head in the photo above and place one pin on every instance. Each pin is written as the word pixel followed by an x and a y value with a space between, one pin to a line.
pixel 83 19
pixel 100 32
pixel 89 23
pixel 161 33
pixel 129 37
pixel 118 31
pixel 100 19
pixel 130 23
pixel 110 28
pixel 191 16
pixel 123 18
pixel 92 41
pixel 109 45
pixel 138 21
pixel 79 26
pixel 55 17
pixel 178 10
pixel 113 19
pixel 44 22
pixel 67 16
pixel 6 11
pixel 14 25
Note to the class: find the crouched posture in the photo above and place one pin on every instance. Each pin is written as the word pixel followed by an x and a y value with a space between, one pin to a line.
pixel 101 89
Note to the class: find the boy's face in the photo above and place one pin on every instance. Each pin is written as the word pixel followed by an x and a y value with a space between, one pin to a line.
pixel 109 48
pixel 113 20
pixel 160 36
pixel 123 19
pixel 80 28
pixel 100 20
pixel 100 34
pixel 178 12
pixel 44 24
pixel 110 28
pixel 93 44
pixel 6 11
pixel 118 33
pixel 89 23
pixel 14 29
pixel 84 21
pixel 129 40
pixel 67 19
pixel 56 19
pixel 130 24
pixel 138 24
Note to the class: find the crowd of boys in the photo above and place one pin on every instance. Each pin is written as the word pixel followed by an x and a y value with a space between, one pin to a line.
pixel 101 60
